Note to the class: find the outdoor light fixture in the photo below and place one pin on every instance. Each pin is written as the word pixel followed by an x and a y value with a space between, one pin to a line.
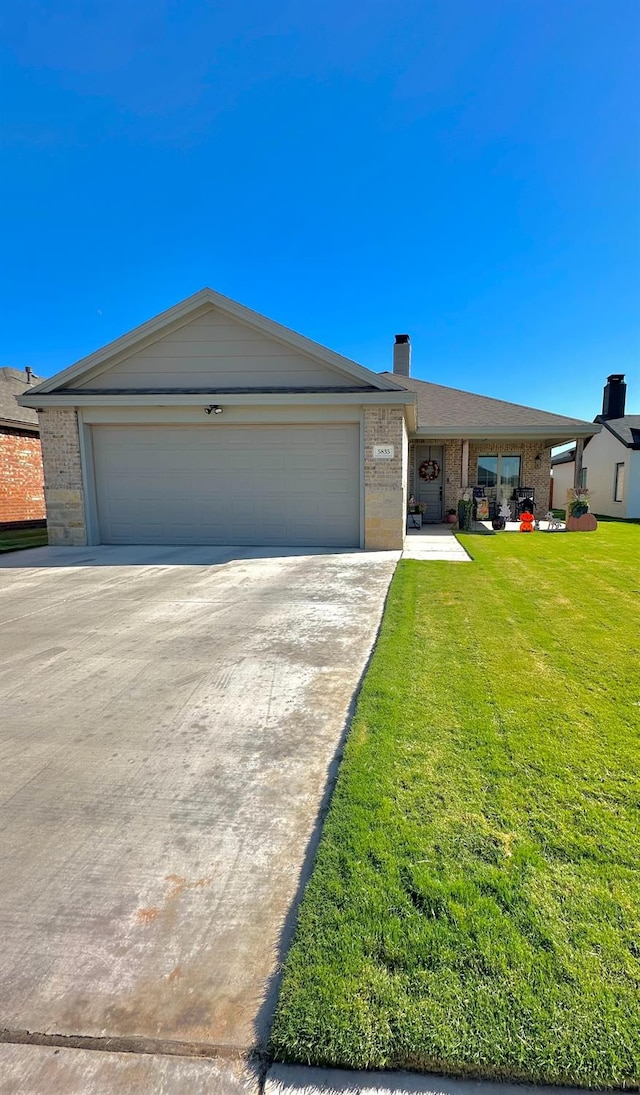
pixel 215 408
pixel 538 460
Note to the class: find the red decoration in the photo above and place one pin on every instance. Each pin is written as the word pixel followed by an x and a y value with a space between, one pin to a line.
pixel 429 470
pixel 526 521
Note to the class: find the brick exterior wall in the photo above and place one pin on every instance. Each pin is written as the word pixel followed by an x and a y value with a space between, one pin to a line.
pixel 21 476
pixel 530 476
pixel 385 481
pixel 63 476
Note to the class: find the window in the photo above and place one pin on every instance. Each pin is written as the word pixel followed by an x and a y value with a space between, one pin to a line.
pixel 618 483
pixel 499 473
pixel 487 471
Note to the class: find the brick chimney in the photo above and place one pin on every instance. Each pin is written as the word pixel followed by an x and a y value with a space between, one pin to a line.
pixel 614 397
pixel 402 355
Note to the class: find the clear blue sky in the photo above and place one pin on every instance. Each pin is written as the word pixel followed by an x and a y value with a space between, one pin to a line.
pixel 464 170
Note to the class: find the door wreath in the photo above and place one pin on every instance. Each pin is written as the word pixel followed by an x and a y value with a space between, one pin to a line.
pixel 429 470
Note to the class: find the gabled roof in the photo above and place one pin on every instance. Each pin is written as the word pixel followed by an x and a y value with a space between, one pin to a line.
pixel 626 429
pixel 450 412
pixel 13 383
pixel 567 457
pixel 188 309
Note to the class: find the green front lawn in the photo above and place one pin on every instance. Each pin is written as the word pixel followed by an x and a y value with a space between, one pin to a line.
pixel 475 905
pixel 19 538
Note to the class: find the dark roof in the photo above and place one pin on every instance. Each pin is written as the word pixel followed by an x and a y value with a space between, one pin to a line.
pixel 626 429
pixel 567 457
pixel 12 383
pixel 440 407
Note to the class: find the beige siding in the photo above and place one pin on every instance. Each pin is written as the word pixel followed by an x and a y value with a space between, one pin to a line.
pixel 218 352
pixel 563 476
pixel 600 457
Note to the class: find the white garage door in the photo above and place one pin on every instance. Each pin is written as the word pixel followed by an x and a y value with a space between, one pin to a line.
pixel 218 484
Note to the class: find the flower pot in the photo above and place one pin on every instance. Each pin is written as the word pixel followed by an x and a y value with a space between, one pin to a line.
pixel 414 520
pixel 451 518
pixel 585 523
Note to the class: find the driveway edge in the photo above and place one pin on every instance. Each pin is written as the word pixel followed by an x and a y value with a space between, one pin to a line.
pixel 303 1080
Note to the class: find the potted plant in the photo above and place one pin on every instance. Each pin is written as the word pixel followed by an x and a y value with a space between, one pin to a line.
pixel 465 511
pixel 452 516
pixel 579 517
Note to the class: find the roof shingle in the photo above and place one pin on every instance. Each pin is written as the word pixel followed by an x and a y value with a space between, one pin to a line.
pixel 13 383
pixel 626 429
pixel 440 407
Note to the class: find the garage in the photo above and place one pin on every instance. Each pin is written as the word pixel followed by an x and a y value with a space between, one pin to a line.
pixel 223 484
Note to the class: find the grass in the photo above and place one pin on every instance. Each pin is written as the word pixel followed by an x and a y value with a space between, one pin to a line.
pixel 475 903
pixel 19 538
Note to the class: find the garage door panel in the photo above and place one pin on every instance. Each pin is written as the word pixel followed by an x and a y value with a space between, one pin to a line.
pixel 226 485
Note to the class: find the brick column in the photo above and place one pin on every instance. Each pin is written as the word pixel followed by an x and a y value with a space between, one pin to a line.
pixel 63 486
pixel 385 481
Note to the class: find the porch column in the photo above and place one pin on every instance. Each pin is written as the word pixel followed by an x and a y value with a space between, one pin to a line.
pixel 385 480
pixel 577 473
pixel 464 471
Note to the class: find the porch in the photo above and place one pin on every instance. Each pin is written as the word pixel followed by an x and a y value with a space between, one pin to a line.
pixel 440 469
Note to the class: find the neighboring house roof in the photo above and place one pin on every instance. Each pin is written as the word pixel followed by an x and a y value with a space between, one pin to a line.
pixel 449 412
pixel 567 457
pixel 626 429
pixel 13 383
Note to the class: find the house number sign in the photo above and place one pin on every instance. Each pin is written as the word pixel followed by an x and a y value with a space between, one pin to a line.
pixel 383 452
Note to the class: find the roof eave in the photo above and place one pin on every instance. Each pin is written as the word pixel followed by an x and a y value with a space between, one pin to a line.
pixel 19 424
pixel 623 441
pixel 398 398
pixel 551 435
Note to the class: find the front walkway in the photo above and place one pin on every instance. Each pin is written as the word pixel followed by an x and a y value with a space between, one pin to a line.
pixel 433 542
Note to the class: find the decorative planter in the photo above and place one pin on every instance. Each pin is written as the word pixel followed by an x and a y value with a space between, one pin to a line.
pixel 451 518
pixel 414 520
pixel 585 523
pixel 465 514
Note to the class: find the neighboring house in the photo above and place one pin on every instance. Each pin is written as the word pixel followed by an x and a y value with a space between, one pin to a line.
pixel 563 470
pixel 610 460
pixel 21 476
pixel 211 424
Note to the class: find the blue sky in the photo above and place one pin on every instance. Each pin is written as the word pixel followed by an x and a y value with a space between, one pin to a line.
pixel 464 170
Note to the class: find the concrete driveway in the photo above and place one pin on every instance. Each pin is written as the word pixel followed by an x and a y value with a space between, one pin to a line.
pixel 169 722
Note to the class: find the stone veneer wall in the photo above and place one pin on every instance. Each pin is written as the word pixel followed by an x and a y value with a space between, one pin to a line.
pixel 62 476
pixel 530 476
pixel 385 481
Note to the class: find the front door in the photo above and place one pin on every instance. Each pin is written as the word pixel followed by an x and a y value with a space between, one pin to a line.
pixel 429 478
